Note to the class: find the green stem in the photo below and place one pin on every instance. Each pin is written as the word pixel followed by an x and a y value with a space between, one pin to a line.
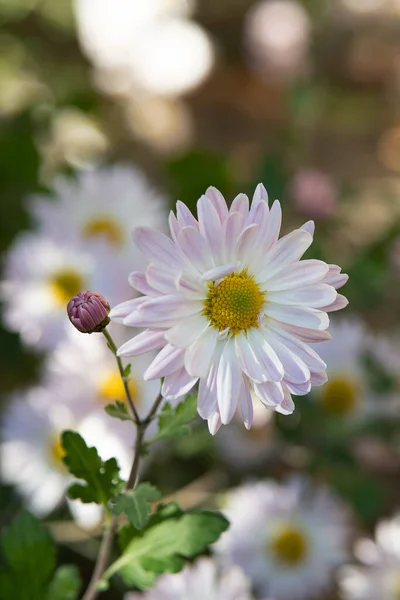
pixel 113 348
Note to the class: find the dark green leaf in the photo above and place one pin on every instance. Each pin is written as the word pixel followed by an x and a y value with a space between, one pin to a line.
pixel 65 584
pixel 29 554
pixel 118 410
pixel 136 504
pixel 170 537
pixel 127 371
pixel 173 422
pixel 102 480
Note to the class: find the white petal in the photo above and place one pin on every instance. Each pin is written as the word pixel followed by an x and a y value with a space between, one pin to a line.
pixel 167 361
pixel 195 248
pixel 270 394
pixel 184 333
pixel 338 304
pixel 177 384
pixel 298 274
pixel 248 360
pixel 265 355
pixel 146 341
pixel 184 216
pixel 274 226
pixel 163 310
pixel 210 226
pixel 173 225
pixel 245 243
pixel 246 406
pixel 157 247
pixel 219 202
pixel 305 335
pixel 298 389
pixel 231 231
pixel 199 355
pixel 295 369
pixel 260 194
pixel 314 296
pixel 219 272
pixel 121 311
pixel 240 204
pixel 229 380
pixel 335 277
pixel 288 249
pixel 137 279
pixel 207 399
pixel 214 423
pixel 309 318
pixel 309 227
pixel 287 406
pixel 313 361
pixel 319 378
pixel 161 280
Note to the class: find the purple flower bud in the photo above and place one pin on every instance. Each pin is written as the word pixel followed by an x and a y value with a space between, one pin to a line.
pixel 88 312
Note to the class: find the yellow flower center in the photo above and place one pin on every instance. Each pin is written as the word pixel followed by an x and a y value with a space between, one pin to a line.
pixel 57 452
pixel 235 303
pixel 111 388
pixel 339 396
pixel 105 228
pixel 65 284
pixel 289 546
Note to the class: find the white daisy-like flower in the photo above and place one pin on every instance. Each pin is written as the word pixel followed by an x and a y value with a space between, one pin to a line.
pixel 31 452
pixel 204 580
pixel 287 538
pixel 40 276
pixel 347 393
pixel 231 306
pixel 83 373
pixel 104 204
pixel 378 576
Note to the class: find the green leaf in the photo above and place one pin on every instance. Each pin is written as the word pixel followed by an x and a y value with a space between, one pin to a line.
pixel 29 555
pixel 136 504
pixel 118 410
pixel 173 422
pixel 65 584
pixel 102 481
pixel 127 371
pixel 170 537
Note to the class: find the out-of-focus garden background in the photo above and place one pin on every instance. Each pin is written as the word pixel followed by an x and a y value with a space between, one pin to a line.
pixel 303 96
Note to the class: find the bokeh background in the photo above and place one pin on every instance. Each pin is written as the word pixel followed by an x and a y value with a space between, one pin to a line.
pixel 303 96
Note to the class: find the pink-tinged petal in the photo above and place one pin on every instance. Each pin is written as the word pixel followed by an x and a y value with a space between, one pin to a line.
pixel 137 279
pixel 199 356
pixel 219 202
pixel 164 311
pixel 295 369
pixel 173 225
pixel 219 272
pixel 248 360
pixel 308 318
pixel 288 249
pixel 210 226
pixel 313 361
pixel 121 311
pixel 229 378
pixel 298 274
pixel 314 296
pixel 273 227
pixel 195 248
pixel 287 406
pixel 335 277
pixel 260 194
pixel 214 423
pixel 338 304
pixel 184 333
pixel 246 406
pixel 306 335
pixel 299 389
pixel 319 378
pixel 157 247
pixel 245 243
pixel 309 227
pixel 207 401
pixel 167 361
pixel 261 219
pixel 230 232
pixel 161 280
pixel 184 216
pixel 177 384
pixel 265 355
pixel 240 204
pixel 192 287
pixel 270 394
pixel 146 341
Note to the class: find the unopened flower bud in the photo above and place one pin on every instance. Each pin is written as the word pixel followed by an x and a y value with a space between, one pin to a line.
pixel 88 312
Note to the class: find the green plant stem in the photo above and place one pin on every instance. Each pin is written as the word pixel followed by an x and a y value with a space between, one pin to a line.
pixel 110 531
pixel 113 348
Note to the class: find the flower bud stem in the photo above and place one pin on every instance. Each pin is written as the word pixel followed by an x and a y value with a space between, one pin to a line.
pixel 125 380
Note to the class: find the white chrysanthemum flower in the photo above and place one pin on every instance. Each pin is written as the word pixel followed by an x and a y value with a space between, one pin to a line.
pixel 347 393
pixel 287 538
pixel 230 305
pixel 31 451
pixel 40 276
pixel 379 574
pixel 204 580
pixel 84 375
pixel 104 204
